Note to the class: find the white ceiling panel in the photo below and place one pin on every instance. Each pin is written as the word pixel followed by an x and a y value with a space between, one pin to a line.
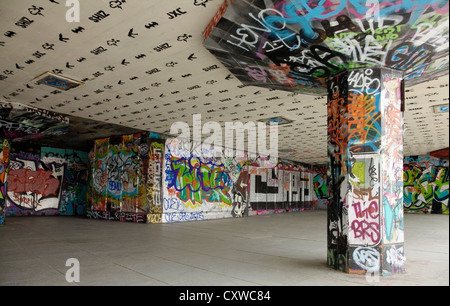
pixel 144 67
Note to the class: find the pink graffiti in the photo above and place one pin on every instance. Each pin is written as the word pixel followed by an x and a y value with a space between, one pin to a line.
pixel 257 73
pixel 366 225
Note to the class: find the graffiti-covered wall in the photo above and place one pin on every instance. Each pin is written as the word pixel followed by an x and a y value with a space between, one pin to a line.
pixel 426 181
pixel 117 182
pixel 125 178
pixel 46 181
pixel 320 195
pixel 199 186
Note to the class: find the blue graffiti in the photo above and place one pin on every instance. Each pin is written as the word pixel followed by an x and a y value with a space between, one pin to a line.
pixel 393 217
pixel 301 12
pixel 173 204
pixel 183 216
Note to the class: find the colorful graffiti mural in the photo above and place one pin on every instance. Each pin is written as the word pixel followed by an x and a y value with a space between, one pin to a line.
pixel 46 181
pixel 74 187
pixel 200 186
pixel 426 181
pixel 364 177
pixel 320 196
pixel 195 185
pixel 425 184
pixel 20 122
pixel 297 45
pixel 118 188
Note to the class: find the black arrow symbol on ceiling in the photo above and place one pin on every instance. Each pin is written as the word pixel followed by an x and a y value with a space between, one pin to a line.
pixel 62 38
pixel 131 34
pixel 151 25
pixel 192 57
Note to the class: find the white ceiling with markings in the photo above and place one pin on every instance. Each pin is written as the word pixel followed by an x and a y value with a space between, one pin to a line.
pixel 143 67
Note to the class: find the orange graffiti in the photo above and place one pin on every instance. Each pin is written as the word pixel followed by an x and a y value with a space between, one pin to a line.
pixel 362 118
pixel 337 128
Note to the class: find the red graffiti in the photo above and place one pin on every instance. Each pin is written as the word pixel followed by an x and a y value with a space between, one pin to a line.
pixel 39 182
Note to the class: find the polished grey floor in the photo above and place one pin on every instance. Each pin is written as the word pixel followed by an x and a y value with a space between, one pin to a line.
pixel 279 250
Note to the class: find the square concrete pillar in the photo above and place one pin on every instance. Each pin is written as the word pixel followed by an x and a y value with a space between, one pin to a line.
pixel 365 171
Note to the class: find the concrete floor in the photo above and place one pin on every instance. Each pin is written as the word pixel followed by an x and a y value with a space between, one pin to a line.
pixel 277 250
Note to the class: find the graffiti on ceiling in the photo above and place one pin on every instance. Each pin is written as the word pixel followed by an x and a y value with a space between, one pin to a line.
pixel 20 122
pixel 296 45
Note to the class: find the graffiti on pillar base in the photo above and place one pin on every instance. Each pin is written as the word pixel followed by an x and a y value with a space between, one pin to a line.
pixel 393 259
pixel 338 258
pixel 364 260
pixel 378 260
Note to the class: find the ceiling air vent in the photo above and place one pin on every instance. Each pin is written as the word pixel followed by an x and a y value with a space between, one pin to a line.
pixel 443 108
pixel 276 120
pixel 57 81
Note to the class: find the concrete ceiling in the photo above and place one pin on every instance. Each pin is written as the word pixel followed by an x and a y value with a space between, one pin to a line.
pixel 143 67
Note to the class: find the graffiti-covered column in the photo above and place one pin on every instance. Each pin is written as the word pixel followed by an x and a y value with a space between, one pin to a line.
pixel 365 152
pixel 154 181
pixel 4 166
